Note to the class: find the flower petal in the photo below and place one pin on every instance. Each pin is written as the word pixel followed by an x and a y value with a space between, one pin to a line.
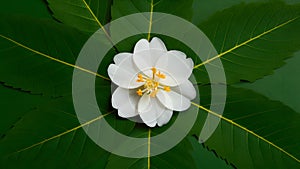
pixel 144 103
pixel 119 58
pixel 190 62
pixel 165 117
pixel 126 102
pixel 173 100
pixel 146 54
pixel 186 89
pixel 124 74
pixel 141 45
pixel 157 43
pixel 146 111
pixel 150 109
pixel 136 119
pixel 147 59
pixel 182 56
pixel 177 65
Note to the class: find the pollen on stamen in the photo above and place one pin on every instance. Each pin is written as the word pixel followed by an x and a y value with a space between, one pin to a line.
pixel 160 75
pixel 153 70
pixel 167 88
pixel 139 92
pixel 140 78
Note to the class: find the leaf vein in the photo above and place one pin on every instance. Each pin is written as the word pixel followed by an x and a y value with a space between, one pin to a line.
pixel 246 42
pixel 247 130
pixel 52 58
pixel 63 133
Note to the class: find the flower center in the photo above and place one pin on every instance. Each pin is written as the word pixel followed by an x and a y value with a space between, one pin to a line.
pixel 151 85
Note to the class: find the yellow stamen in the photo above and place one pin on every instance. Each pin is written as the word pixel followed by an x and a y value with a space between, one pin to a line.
pixel 148 84
pixel 154 70
pixel 139 92
pixel 160 75
pixel 140 78
pixel 167 88
pixel 151 85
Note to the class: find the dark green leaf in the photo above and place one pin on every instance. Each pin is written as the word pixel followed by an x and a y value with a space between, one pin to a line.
pixel 182 8
pixel 120 8
pixel 49 137
pixel 170 159
pixel 36 8
pixel 253 39
pixel 18 103
pixel 205 159
pixel 38 57
pixel 85 15
pixel 283 85
pixel 40 132
pixel 255 132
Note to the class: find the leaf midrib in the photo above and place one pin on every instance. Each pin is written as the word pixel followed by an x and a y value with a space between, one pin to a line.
pixel 246 42
pixel 99 23
pixel 96 19
pixel 149 132
pixel 247 130
pixel 150 20
pixel 61 134
pixel 52 58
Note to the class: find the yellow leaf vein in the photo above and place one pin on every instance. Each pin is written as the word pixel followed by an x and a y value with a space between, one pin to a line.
pixel 64 133
pixel 247 130
pixel 53 58
pixel 245 43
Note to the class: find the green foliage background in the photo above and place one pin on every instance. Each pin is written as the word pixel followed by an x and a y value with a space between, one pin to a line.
pixel 260 126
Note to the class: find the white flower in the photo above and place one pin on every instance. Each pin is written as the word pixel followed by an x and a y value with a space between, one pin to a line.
pixel 152 82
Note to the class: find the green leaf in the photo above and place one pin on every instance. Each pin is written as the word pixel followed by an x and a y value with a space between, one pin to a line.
pixel 182 8
pixel 192 155
pixel 283 85
pixel 40 57
pixel 42 137
pixel 204 9
pixel 49 134
pixel 170 159
pixel 50 137
pixel 85 15
pixel 203 158
pixel 120 8
pixel 252 39
pixel 29 7
pixel 255 132
pixel 18 103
